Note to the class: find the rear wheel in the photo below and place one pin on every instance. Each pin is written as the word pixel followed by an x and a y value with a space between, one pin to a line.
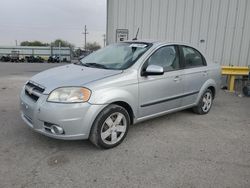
pixel 110 127
pixel 205 103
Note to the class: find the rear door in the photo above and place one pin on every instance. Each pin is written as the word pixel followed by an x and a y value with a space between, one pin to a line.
pixel 195 73
pixel 160 93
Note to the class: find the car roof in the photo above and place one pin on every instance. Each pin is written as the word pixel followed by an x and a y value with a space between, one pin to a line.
pixel 158 42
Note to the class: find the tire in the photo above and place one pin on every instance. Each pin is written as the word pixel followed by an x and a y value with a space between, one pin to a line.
pixel 110 127
pixel 205 103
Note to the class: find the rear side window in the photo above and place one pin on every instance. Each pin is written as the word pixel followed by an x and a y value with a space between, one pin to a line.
pixel 192 58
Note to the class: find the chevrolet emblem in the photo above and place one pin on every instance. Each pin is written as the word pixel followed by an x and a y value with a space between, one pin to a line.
pixel 29 90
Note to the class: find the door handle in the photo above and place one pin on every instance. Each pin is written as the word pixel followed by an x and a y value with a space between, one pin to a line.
pixel 205 73
pixel 177 78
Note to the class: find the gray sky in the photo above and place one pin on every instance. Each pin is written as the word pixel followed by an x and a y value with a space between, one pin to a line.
pixel 47 20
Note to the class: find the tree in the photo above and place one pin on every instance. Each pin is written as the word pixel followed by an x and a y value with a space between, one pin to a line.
pixel 54 43
pixel 92 46
pixel 33 43
pixel 78 52
pixel 64 43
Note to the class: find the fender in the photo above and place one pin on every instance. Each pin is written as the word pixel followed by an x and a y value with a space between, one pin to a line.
pixel 207 84
pixel 120 94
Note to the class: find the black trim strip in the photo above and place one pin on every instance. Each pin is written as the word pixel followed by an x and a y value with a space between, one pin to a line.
pixel 169 99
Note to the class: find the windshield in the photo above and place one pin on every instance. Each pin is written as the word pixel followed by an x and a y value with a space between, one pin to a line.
pixel 117 56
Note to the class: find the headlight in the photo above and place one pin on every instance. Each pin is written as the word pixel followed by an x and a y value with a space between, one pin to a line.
pixel 69 95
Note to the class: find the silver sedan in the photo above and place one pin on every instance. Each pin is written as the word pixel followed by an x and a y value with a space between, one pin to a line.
pixel 117 86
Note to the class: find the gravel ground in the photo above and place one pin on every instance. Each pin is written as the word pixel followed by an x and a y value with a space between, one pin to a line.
pixel 177 150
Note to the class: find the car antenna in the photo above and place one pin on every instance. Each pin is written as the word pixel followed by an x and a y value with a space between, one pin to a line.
pixel 136 34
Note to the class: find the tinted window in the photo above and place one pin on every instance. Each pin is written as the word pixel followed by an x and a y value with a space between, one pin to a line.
pixel 165 57
pixel 192 57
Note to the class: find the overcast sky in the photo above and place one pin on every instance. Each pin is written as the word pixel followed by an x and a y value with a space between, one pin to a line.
pixel 47 20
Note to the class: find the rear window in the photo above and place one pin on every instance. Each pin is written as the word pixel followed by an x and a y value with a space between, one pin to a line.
pixel 192 57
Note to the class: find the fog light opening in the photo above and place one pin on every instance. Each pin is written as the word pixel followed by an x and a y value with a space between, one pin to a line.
pixel 56 129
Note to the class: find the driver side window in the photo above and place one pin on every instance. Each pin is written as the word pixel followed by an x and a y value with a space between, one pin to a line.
pixel 165 57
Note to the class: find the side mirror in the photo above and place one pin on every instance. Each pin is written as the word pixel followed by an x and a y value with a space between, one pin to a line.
pixel 154 70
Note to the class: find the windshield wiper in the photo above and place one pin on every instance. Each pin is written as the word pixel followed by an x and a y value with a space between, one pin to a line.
pixel 84 64
pixel 97 65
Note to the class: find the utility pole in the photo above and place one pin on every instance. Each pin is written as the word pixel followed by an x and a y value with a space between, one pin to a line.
pixel 59 51
pixel 85 37
pixel 104 40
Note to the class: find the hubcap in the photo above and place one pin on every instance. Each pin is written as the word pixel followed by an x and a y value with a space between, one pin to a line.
pixel 207 102
pixel 113 128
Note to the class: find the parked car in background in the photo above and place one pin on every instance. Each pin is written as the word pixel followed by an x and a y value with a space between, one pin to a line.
pixel 54 59
pixel 34 59
pixel 12 58
pixel 119 85
pixel 5 58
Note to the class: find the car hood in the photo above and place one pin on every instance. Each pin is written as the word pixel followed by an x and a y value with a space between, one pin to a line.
pixel 70 75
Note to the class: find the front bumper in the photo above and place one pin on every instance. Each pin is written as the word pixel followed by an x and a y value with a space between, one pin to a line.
pixel 75 119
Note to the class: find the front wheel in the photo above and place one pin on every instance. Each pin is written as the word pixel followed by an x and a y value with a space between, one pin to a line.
pixel 205 103
pixel 110 127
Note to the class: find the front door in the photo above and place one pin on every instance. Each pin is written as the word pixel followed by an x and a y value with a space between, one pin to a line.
pixel 160 93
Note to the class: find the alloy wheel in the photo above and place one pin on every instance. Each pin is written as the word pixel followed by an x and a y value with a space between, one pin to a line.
pixel 113 128
pixel 206 101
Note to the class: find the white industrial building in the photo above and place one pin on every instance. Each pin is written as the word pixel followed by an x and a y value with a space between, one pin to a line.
pixel 220 28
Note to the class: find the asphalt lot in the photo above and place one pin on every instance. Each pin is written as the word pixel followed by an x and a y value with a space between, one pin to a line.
pixel 177 150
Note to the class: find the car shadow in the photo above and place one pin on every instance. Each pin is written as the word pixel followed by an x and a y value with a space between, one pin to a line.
pixel 43 142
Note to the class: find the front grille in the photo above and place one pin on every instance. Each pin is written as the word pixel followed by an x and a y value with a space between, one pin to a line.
pixel 33 90
pixel 36 87
pixel 32 96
